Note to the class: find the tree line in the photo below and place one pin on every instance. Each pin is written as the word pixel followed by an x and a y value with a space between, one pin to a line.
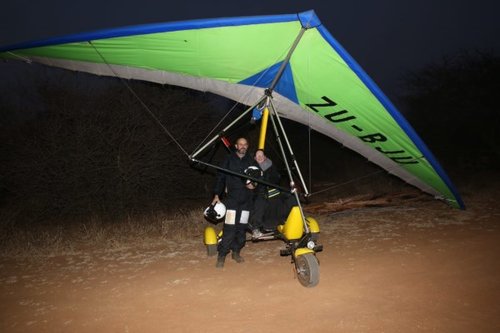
pixel 95 150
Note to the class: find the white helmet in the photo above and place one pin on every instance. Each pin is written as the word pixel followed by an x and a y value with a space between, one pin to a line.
pixel 215 212
pixel 254 172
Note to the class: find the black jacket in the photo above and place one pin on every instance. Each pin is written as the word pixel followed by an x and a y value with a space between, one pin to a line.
pixel 234 185
pixel 271 175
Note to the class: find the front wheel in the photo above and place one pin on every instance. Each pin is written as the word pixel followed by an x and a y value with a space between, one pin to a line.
pixel 307 267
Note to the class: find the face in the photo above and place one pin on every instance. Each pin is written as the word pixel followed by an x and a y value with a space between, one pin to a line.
pixel 241 146
pixel 259 156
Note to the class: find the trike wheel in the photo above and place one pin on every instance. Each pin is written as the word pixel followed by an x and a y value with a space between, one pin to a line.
pixel 211 249
pixel 307 267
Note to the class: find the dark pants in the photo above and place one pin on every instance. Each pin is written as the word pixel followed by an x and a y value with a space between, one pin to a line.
pixel 234 235
pixel 259 210
pixel 269 213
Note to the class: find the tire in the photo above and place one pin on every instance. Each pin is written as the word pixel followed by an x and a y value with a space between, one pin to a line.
pixel 307 268
pixel 211 249
pixel 315 237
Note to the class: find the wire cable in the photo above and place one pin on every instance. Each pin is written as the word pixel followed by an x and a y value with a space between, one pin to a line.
pixel 151 113
pixel 347 182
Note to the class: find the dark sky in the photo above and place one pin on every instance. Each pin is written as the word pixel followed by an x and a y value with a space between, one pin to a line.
pixel 386 37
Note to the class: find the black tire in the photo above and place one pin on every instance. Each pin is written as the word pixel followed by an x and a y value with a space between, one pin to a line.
pixel 315 237
pixel 211 249
pixel 307 267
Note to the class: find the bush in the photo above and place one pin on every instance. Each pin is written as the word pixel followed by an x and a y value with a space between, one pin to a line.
pixel 92 147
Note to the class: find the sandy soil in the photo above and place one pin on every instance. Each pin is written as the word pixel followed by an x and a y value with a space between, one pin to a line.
pixel 418 267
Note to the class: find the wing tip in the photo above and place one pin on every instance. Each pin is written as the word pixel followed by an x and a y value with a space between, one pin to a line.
pixel 309 19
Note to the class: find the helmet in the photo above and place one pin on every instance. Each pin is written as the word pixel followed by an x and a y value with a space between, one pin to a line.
pixel 215 212
pixel 254 172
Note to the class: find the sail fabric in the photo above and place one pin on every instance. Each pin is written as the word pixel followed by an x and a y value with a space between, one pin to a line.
pixel 322 86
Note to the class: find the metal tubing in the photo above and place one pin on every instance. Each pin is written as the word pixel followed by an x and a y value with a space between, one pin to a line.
pixel 280 144
pixel 241 175
pixel 287 60
pixel 196 153
pixel 263 128
pixel 273 110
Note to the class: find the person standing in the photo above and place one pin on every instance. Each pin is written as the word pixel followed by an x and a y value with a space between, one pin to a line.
pixel 238 202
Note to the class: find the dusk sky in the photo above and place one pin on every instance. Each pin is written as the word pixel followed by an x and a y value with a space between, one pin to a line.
pixel 387 38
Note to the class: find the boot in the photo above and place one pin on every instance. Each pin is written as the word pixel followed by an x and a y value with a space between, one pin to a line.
pixel 256 234
pixel 236 256
pixel 220 262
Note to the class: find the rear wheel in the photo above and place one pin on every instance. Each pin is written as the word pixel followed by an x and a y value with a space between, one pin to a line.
pixel 307 267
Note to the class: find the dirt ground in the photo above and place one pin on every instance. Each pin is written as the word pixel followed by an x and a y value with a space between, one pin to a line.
pixel 415 267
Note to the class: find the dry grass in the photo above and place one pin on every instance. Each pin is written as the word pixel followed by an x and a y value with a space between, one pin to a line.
pixel 35 240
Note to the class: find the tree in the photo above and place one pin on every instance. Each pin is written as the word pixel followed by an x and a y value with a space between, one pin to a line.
pixel 453 105
pixel 92 148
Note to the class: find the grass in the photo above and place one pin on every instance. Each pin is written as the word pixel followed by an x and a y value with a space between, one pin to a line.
pixel 62 237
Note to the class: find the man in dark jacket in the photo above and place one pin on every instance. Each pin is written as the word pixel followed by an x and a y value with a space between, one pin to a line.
pixel 238 202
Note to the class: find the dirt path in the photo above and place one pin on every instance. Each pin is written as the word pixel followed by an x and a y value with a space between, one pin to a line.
pixel 417 268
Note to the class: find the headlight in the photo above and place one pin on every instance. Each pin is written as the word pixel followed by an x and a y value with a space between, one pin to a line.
pixel 311 245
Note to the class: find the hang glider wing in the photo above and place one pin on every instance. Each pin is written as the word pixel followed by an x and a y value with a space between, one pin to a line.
pixel 238 58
